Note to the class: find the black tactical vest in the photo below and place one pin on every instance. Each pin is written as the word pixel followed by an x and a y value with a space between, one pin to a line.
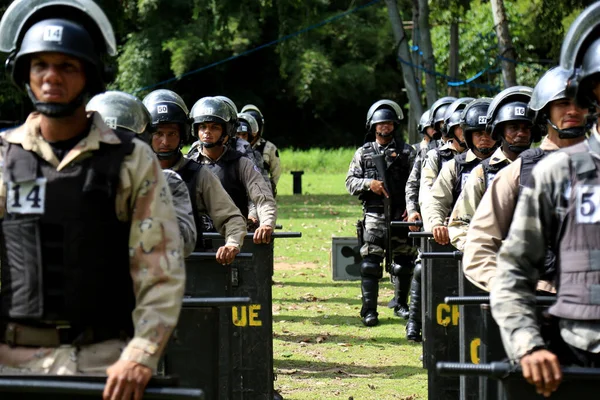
pixel 226 169
pixel 398 170
pixel 444 156
pixel 490 170
pixel 578 294
pixel 65 255
pixel 529 158
pixel 261 149
pixel 189 174
pixel 463 169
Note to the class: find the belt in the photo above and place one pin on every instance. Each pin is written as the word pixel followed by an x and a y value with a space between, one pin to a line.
pixel 374 209
pixel 16 334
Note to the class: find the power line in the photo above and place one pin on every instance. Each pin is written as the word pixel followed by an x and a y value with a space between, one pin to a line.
pixel 271 43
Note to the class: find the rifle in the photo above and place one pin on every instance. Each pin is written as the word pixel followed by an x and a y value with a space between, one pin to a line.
pixel 381 166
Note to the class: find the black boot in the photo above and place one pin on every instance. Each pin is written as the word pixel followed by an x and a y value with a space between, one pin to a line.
pixel 370 289
pixel 370 274
pixel 402 286
pixel 413 327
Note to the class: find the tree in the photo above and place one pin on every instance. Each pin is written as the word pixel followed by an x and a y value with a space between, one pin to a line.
pixel 505 45
pixel 427 48
pixel 410 82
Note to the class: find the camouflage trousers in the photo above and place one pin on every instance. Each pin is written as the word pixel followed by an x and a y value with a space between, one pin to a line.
pixel 64 360
pixel 374 237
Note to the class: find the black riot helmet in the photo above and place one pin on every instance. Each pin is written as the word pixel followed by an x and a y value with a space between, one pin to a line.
pixel 520 97
pixel 580 55
pixel 452 115
pixel 211 109
pixel 78 28
pixel 120 110
pixel 167 107
pixel 552 87
pixel 382 111
pixel 515 111
pixel 436 116
pixel 233 113
pixel 474 119
pixel 258 116
pixel 248 124
pixel 424 123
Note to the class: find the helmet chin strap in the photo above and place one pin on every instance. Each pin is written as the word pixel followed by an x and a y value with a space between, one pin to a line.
pixel 485 150
pixel 57 110
pixel 217 143
pixel 569 133
pixel 514 148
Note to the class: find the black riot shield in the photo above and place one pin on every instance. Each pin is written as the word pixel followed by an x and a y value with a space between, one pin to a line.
pixel 248 328
pixel 490 343
pixel 440 322
pixel 469 337
pixel 196 353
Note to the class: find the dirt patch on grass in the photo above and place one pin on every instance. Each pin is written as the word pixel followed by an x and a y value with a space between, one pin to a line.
pixel 282 266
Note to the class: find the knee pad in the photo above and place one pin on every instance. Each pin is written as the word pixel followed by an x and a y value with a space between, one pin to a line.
pixel 403 265
pixel 370 267
pixel 417 272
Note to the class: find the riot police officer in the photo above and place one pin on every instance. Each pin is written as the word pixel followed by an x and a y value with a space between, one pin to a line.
pixel 171 124
pixel 414 180
pixel 448 185
pixel 413 326
pixel 509 124
pixel 436 158
pixel 264 147
pixel 365 181
pixel 71 183
pixel 213 125
pixel 557 207
pixel 552 109
pixel 124 111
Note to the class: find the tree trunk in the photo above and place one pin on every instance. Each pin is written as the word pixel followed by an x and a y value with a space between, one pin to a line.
pixel 453 70
pixel 410 83
pixel 427 49
pixel 505 45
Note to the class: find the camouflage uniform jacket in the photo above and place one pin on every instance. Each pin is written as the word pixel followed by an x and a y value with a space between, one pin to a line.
pixel 540 211
pixel 438 204
pixel 155 245
pixel 271 158
pixel 213 200
pixel 258 191
pixel 431 170
pixel 183 208
pixel 469 200
pixel 490 223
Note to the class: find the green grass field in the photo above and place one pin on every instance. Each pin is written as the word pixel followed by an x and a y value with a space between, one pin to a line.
pixel 321 349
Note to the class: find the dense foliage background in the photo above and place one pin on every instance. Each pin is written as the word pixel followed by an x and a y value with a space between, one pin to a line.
pixel 321 70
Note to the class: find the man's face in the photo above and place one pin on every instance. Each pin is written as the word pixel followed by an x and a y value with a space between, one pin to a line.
pixel 482 140
pixel 209 132
pixel 166 138
pixel 384 128
pixel 517 133
pixel 565 114
pixel 459 134
pixel 242 135
pixel 56 77
pixel 430 131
